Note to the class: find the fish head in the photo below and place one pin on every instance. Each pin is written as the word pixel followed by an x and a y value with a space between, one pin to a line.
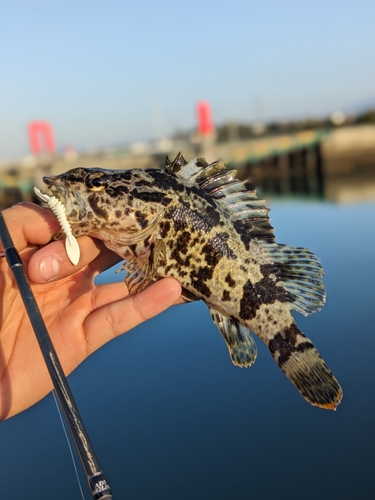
pixel 121 205
pixel 82 191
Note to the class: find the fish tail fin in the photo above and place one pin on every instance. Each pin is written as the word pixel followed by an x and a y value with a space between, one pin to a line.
pixel 298 358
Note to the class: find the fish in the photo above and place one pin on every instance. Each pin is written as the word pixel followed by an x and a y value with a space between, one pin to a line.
pixel 198 223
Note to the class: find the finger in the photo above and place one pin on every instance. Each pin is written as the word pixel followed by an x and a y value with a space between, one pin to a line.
pixel 51 262
pixel 104 260
pixel 30 224
pixel 115 318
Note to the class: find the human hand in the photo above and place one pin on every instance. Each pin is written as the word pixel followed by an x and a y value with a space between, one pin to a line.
pixel 80 316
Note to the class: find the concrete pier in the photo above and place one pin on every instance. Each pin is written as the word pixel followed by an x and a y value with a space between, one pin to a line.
pixel 303 163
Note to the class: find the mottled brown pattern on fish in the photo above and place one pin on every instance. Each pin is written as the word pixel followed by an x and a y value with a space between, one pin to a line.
pixel 195 222
pixel 287 342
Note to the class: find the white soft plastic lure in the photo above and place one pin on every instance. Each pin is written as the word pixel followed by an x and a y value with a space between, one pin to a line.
pixel 71 244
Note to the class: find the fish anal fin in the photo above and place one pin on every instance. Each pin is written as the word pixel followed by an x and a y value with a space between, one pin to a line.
pixel 240 342
pixel 300 361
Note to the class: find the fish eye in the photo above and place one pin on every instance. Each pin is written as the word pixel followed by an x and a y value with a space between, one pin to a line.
pixel 96 181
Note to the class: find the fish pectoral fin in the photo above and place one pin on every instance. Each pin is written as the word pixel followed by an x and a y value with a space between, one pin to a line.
pixel 240 342
pixel 136 235
pixel 140 272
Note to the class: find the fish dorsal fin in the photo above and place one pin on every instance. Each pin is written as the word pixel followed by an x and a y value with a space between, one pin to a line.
pixel 241 344
pixel 300 273
pixel 230 193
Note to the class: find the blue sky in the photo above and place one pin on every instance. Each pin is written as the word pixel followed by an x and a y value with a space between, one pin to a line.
pixel 106 72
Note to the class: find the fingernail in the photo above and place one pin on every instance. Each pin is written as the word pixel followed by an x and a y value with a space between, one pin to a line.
pixel 49 267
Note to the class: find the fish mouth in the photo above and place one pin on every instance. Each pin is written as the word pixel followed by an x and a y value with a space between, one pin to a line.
pixel 57 190
pixel 71 200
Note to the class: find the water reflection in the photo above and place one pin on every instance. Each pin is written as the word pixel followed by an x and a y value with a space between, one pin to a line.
pixel 284 177
pixel 350 188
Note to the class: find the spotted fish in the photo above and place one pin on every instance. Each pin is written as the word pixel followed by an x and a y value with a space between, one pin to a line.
pixel 197 223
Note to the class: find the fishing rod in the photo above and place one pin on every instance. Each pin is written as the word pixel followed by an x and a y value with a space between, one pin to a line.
pixel 98 484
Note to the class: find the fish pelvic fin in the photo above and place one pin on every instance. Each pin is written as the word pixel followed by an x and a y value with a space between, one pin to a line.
pixel 240 342
pixel 141 271
pixel 302 364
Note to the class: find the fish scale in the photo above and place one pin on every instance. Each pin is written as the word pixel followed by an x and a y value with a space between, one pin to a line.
pixel 197 223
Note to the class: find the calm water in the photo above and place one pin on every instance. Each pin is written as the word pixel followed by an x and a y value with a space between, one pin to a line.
pixel 171 418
